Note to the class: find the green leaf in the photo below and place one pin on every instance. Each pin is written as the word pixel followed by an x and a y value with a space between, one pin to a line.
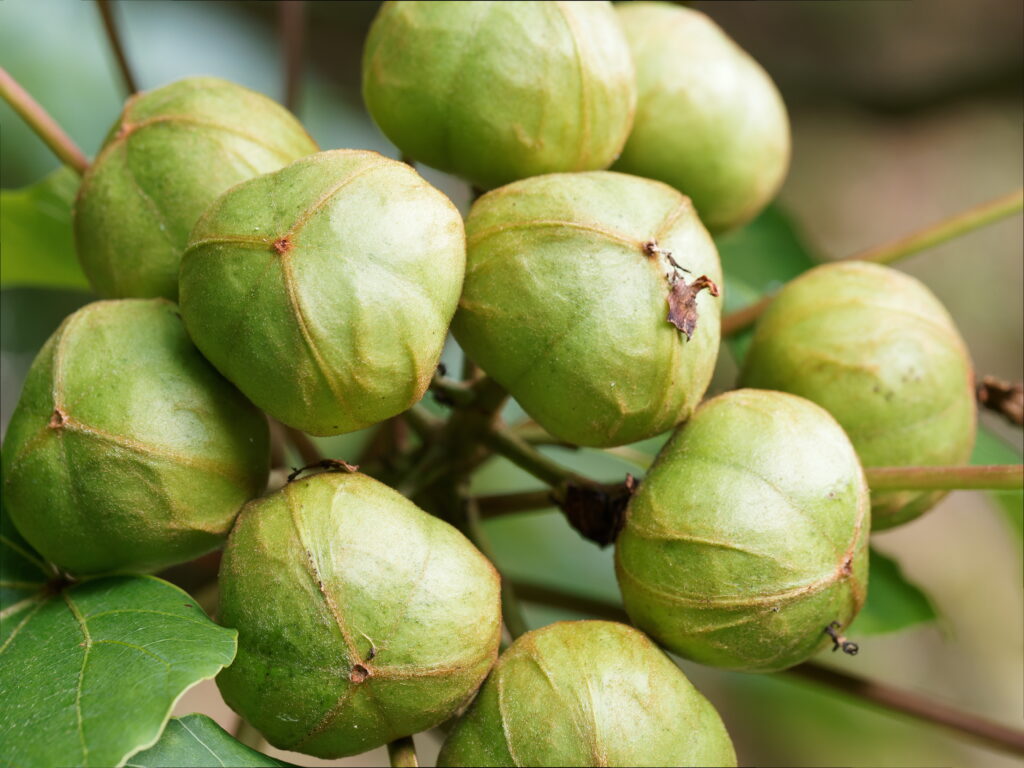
pixel 196 741
pixel 990 449
pixel 893 602
pixel 23 572
pixel 759 259
pixel 91 672
pixel 35 234
pixel 767 252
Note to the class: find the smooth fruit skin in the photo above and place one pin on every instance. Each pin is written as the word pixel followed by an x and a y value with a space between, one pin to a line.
pixel 127 451
pixel 877 350
pixel 709 120
pixel 749 535
pixel 566 308
pixel 361 618
pixel 324 291
pixel 587 693
pixel 172 152
pixel 498 91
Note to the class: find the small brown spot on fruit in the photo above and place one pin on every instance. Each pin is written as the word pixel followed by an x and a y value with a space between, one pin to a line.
pixel 358 673
pixel 282 245
pixel 57 419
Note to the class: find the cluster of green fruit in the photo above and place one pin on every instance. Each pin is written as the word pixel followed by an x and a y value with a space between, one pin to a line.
pixel 319 287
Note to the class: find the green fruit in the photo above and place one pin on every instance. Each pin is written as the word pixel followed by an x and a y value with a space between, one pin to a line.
pixel 324 291
pixel 568 287
pixel 360 618
pixel 878 351
pixel 127 451
pixel 587 693
pixel 172 152
pixel 496 91
pixel 749 535
pixel 709 120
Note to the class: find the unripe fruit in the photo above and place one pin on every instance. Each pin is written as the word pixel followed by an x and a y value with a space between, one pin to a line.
pixel 172 152
pixel 324 291
pixel 748 538
pixel 587 693
pixel 127 451
pixel 709 120
pixel 570 282
pixel 497 91
pixel 876 349
pixel 360 618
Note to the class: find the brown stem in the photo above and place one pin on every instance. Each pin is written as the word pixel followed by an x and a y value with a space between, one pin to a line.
pixel 526 457
pixel 40 121
pixel 292 20
pixel 511 610
pixel 921 707
pixel 905 702
pixel 114 38
pixel 508 503
pixel 402 753
pixel 1003 397
pixel 935 234
pixel 1008 477
pixel 302 443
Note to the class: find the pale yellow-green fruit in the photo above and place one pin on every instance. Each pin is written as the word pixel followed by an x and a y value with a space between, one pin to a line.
pixel 878 351
pixel 172 152
pixel 360 618
pixel 324 291
pixel 709 120
pixel 567 297
pixel 749 535
pixel 587 693
pixel 498 91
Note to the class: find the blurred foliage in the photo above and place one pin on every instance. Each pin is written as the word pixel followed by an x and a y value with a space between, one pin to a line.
pixel 35 234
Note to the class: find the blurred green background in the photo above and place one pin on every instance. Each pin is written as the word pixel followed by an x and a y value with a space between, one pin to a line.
pixel 903 113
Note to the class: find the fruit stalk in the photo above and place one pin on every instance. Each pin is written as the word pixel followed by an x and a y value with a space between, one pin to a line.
pixel 39 120
pixel 402 753
pixel 114 38
pixel 292 21
pixel 943 231
pixel 511 609
pixel 1008 477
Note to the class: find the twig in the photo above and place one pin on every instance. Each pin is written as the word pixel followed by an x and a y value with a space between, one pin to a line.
pixel 302 443
pixel 526 457
pixel 402 753
pixel 292 18
pixel 1009 477
pixel 422 421
pixel 935 234
pixel 511 610
pixel 114 38
pixel 508 503
pixel 867 692
pixel 249 736
pixel 947 229
pixel 40 121
pixel 448 392
pixel 921 707
pixel 1003 397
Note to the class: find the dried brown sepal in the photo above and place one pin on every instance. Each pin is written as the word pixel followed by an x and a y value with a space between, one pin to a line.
pixel 682 302
pixel 330 465
pixel 598 512
pixel 1003 397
